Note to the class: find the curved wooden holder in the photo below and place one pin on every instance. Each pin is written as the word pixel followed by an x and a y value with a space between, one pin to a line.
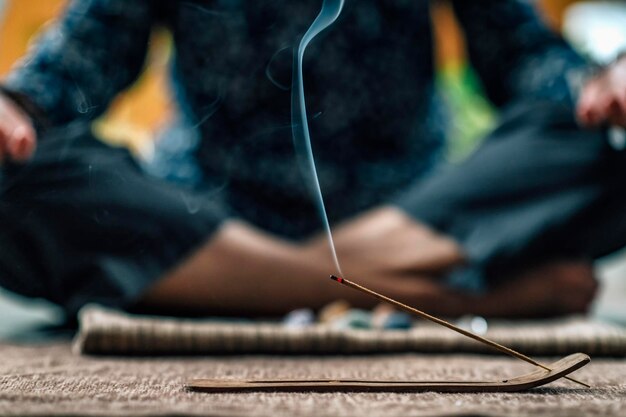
pixel 534 379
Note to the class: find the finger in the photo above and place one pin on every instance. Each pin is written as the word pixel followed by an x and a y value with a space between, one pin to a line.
pixel 599 101
pixel 22 143
pixel 587 109
pixel 600 110
pixel 616 113
pixel 619 118
pixel 613 112
pixel 582 116
pixel 5 137
pixel 620 95
pixel 20 137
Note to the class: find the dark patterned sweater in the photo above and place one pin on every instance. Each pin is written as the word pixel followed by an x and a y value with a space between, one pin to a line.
pixel 374 115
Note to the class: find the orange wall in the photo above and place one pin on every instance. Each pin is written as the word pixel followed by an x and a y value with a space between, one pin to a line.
pixel 20 20
pixel 136 114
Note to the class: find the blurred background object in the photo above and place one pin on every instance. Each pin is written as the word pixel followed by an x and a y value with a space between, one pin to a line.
pixel 597 29
pixel 139 116
pixel 136 114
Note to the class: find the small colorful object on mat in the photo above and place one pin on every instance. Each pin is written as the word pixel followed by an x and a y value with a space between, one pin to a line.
pixel 333 311
pixel 302 317
pixel 398 321
pixel 385 316
pixel 353 319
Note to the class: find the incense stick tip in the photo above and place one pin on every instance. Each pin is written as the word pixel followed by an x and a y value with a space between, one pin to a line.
pixel 336 278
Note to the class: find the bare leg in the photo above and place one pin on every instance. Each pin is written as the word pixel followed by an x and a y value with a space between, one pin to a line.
pixel 243 271
pixel 560 287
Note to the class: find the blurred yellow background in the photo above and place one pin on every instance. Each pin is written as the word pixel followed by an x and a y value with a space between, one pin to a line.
pixel 137 113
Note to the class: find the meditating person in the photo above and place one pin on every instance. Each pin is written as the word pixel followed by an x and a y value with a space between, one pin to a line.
pixel 512 231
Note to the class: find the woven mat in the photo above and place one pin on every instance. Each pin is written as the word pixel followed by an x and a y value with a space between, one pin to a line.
pixel 109 332
pixel 48 380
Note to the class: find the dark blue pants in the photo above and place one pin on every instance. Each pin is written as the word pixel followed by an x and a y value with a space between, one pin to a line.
pixel 538 189
pixel 82 223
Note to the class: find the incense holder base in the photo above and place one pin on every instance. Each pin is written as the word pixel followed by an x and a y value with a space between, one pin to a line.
pixel 539 377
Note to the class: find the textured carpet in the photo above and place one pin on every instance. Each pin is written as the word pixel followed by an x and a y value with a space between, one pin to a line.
pixel 49 380
pixel 111 332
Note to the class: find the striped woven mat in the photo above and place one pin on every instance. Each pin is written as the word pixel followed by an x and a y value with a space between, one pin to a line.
pixel 109 332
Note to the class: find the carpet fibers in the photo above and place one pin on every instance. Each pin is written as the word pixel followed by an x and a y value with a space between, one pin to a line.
pixel 47 379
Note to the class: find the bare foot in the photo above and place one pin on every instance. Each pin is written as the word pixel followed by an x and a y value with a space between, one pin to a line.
pixel 558 288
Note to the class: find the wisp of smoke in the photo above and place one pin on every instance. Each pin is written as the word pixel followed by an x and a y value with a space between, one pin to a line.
pixel 331 9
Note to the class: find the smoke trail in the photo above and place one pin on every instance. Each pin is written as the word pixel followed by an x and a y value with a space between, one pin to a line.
pixel 300 127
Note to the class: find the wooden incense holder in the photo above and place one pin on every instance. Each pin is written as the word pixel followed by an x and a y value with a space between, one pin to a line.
pixel 544 375
pixel 520 383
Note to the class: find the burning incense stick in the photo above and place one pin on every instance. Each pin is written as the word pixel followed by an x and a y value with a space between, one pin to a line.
pixel 450 326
